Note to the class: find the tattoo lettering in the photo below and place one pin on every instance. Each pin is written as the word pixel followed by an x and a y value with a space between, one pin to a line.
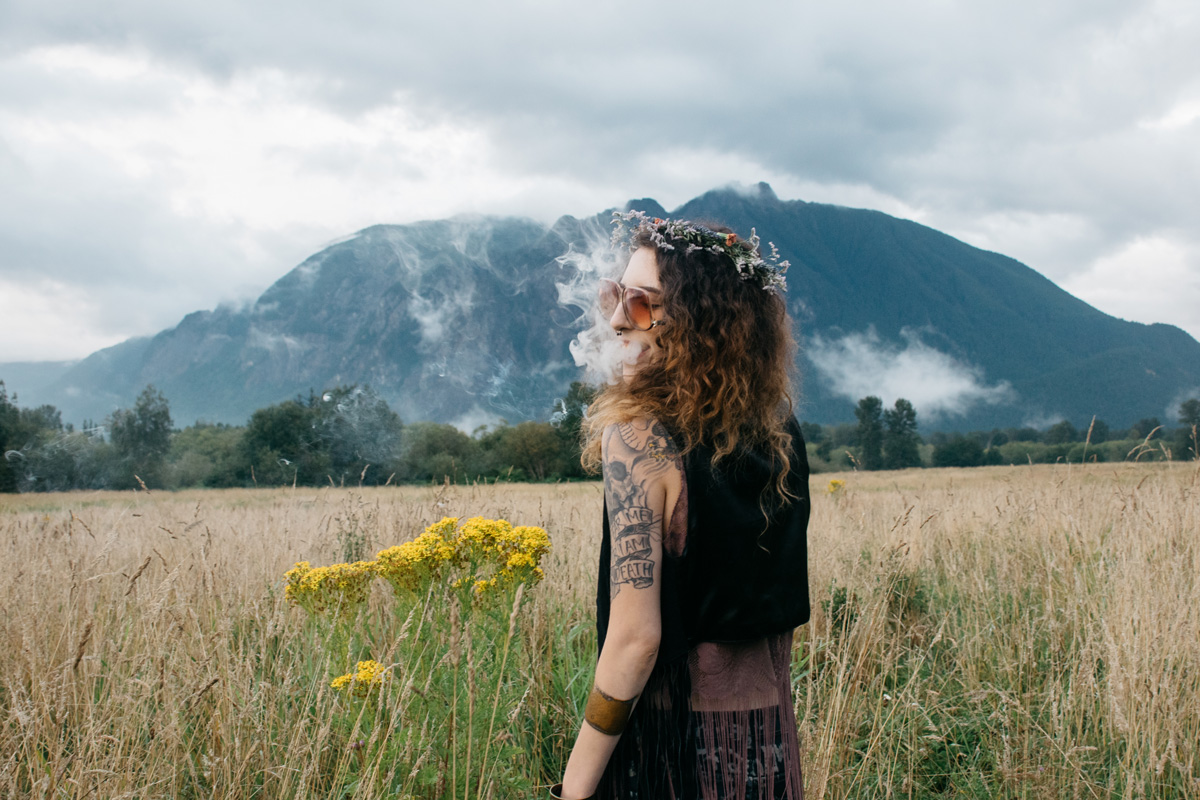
pixel 636 454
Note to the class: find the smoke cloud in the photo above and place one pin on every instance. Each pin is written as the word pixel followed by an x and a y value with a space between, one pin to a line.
pixel 596 347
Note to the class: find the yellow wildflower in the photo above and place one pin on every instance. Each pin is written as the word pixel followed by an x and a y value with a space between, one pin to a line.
pixel 294 578
pixel 367 676
pixel 486 555
pixel 411 566
pixel 341 587
pixel 511 555
pixel 835 486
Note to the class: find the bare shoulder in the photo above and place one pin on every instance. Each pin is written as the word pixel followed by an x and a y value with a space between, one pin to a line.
pixel 641 445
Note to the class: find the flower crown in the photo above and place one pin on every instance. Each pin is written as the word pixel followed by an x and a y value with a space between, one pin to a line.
pixel 745 254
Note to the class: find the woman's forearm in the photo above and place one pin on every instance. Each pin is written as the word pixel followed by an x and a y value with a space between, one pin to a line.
pixel 627 660
pixel 622 671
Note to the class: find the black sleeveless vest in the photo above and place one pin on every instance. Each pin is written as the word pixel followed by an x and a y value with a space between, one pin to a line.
pixel 743 572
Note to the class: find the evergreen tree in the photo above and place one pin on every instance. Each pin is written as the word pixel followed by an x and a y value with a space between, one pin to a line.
pixel 567 418
pixel 1147 427
pixel 1061 433
pixel 900 437
pixel 870 432
pixel 812 432
pixel 1024 435
pixel 958 451
pixel 1189 413
pixel 360 433
pixel 1099 431
pixel 282 445
pixel 1189 435
pixel 141 437
pixel 9 417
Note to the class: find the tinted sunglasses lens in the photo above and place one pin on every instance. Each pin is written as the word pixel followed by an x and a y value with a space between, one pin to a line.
pixel 637 309
pixel 609 295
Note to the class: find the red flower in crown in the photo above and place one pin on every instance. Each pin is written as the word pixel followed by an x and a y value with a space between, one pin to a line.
pixel 658 221
pixel 730 239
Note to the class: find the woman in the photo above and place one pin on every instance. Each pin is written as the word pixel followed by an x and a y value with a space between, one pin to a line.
pixel 703 565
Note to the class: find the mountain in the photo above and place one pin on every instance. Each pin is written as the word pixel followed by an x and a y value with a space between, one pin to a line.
pixel 1004 325
pixel 460 320
pixel 454 320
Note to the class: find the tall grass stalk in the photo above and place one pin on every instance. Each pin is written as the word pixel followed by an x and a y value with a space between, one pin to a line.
pixel 512 628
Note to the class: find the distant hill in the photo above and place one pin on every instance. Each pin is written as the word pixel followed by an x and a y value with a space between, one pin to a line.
pixel 459 320
pixel 33 378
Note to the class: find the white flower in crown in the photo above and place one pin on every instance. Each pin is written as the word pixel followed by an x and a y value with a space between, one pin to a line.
pixel 746 255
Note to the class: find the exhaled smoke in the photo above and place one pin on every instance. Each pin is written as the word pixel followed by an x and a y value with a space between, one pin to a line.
pixel 596 347
pixel 437 314
pixel 66 460
pixel 359 425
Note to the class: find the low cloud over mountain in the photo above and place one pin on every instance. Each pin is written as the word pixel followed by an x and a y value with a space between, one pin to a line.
pixel 937 384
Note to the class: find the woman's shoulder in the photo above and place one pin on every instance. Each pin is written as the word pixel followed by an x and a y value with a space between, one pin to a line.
pixel 639 436
pixel 641 452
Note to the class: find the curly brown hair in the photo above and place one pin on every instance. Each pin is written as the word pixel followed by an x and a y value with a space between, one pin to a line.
pixel 724 379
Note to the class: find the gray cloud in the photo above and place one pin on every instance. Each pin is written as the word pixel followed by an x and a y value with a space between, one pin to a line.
pixel 240 137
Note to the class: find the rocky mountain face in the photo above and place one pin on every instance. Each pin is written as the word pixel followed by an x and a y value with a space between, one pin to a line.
pixel 462 321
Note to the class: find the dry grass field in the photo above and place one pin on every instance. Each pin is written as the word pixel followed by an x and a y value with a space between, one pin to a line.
pixel 1028 632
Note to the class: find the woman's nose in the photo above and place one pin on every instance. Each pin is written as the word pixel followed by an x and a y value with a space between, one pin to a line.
pixel 618 320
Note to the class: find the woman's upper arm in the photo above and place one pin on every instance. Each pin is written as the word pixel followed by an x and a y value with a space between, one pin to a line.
pixel 642 479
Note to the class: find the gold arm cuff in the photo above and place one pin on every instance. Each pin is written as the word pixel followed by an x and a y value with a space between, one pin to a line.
pixel 607 714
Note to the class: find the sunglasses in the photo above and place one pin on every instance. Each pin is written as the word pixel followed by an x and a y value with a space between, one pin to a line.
pixel 638 304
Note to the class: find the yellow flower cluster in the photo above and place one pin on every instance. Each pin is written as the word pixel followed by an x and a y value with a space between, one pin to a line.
pixel 368 675
pixel 487 554
pixel 341 587
pixel 835 486
pixel 497 556
pixel 414 565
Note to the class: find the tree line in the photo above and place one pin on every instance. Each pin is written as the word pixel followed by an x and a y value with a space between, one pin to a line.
pixel 887 438
pixel 344 436
pixel 349 436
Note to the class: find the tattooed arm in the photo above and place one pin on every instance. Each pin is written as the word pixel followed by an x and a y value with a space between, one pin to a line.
pixel 642 480
pixel 639 461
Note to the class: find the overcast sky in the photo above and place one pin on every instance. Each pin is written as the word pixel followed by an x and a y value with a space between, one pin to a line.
pixel 158 158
